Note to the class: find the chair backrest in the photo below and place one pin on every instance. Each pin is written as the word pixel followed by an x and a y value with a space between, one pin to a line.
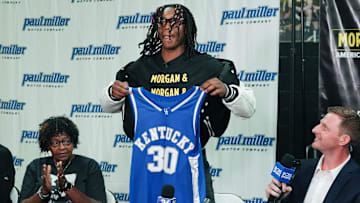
pixel 227 198
pixel 14 195
pixel 311 153
pixel 110 197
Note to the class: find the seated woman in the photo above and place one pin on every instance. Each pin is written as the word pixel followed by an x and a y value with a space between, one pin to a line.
pixel 64 176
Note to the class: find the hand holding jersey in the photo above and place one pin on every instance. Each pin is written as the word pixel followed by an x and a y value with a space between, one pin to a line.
pixel 213 86
pixel 119 89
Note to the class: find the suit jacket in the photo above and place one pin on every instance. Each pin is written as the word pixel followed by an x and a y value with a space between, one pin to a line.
pixel 345 188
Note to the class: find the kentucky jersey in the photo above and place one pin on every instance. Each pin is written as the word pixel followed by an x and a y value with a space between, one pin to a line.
pixel 167 148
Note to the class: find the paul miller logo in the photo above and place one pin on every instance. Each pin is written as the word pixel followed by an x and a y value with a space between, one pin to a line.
pixel 11 107
pixel 14 51
pixel 260 78
pixel 107 168
pixel 88 110
pixel 55 23
pixel 122 141
pixel 132 21
pixel 213 48
pixel 17 161
pixel 29 136
pixel 105 52
pixel 255 14
pixel 255 200
pixel 215 172
pixel 44 80
pixel 121 196
pixel 256 143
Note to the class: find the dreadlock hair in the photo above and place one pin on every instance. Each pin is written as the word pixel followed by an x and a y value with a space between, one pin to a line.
pixel 55 126
pixel 152 44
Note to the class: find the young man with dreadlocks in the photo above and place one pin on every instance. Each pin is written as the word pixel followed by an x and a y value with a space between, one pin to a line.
pixel 170 65
pixel 64 176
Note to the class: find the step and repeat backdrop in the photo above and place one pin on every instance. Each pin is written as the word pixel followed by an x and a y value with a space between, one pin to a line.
pixel 57 56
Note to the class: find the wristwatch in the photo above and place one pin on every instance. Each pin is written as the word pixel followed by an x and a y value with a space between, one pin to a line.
pixel 41 195
pixel 67 187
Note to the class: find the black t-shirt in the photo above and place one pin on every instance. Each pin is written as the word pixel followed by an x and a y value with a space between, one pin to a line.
pixel 7 174
pixel 84 173
pixel 177 76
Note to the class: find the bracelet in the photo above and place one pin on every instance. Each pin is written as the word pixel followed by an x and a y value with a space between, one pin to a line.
pixel 228 92
pixel 67 187
pixel 41 195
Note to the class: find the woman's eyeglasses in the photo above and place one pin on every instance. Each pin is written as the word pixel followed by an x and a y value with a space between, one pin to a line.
pixel 65 142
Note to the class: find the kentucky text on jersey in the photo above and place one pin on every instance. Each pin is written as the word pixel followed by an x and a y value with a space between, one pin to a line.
pixel 86 108
pixel 28 134
pixel 211 46
pixel 47 78
pixel 121 138
pixel 12 105
pixel 240 140
pixel 50 22
pixel 134 19
pixel 259 75
pixel 17 161
pixel 246 13
pixel 107 49
pixel 107 167
pixel 13 49
pixel 166 133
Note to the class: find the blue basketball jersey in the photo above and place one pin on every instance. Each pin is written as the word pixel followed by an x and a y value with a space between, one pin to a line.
pixel 167 148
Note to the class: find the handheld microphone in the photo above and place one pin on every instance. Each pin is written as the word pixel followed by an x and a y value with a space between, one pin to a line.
pixel 284 172
pixel 167 195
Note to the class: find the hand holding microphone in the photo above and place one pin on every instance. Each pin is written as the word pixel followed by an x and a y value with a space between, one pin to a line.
pixel 283 174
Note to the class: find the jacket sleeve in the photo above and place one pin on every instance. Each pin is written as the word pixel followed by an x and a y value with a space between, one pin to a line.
pixel 244 105
pixel 107 103
pixel 244 102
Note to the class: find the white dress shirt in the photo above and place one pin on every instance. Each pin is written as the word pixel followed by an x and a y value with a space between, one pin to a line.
pixel 322 181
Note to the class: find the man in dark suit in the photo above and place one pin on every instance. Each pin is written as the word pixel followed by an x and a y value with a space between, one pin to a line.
pixel 335 177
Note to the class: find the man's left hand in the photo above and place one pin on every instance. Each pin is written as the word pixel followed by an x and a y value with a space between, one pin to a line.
pixel 215 87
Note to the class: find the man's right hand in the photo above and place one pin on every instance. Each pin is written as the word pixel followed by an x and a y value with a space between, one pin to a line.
pixel 118 89
pixel 274 189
